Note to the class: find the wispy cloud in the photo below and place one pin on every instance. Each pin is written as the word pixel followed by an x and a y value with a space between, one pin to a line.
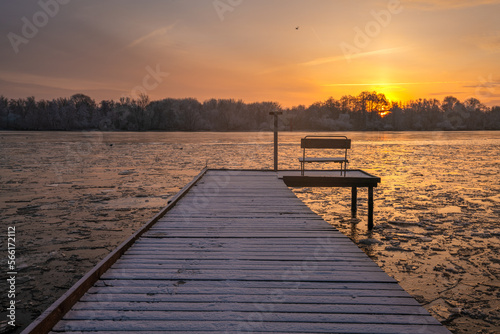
pixel 485 84
pixel 396 83
pixel 489 42
pixel 447 4
pixel 155 33
pixel 445 93
pixel 321 61
pixel 56 82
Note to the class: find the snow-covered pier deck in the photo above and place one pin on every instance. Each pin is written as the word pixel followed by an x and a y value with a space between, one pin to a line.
pixel 237 251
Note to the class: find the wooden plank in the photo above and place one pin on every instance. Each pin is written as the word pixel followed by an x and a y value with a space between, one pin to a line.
pixel 269 317
pixel 237 326
pixel 244 242
pixel 158 254
pixel 323 277
pixel 270 257
pixel 248 270
pixel 250 307
pixel 188 214
pixel 250 267
pixel 355 173
pixel 159 232
pixel 325 143
pixel 309 254
pixel 322 181
pixel 195 332
pixel 230 242
pixel 257 229
pixel 349 264
pixel 285 251
pixel 288 286
pixel 213 242
pixel 216 298
pixel 191 289
pixel 310 159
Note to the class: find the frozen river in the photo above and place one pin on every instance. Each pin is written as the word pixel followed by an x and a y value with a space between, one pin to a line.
pixel 74 196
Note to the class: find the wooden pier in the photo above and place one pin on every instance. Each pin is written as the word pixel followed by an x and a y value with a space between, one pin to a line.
pixel 237 251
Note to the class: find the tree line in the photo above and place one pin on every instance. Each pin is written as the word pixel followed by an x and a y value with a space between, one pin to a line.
pixel 366 111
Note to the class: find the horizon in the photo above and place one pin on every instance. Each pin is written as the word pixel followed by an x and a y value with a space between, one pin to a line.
pixel 293 53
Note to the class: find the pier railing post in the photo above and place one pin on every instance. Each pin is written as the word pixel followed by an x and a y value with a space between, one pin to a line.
pixel 276 113
pixel 354 201
pixel 370 208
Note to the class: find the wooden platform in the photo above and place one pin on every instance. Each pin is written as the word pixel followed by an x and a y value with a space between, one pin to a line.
pixel 353 179
pixel 241 253
pixel 325 178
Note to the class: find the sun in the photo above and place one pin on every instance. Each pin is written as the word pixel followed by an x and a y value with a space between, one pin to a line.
pixel 384 112
pixel 390 92
pixel 394 93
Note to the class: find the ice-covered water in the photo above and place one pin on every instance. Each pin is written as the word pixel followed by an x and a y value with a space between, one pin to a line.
pixel 74 196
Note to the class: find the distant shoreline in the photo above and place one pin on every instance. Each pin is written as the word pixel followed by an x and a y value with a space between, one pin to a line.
pixel 367 111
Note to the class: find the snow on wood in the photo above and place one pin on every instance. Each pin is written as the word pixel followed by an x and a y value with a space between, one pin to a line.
pixel 239 252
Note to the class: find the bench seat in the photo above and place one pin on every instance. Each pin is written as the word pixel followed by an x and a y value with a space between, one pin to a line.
pixel 339 160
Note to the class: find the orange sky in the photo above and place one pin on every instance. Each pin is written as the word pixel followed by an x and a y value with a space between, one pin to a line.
pixel 289 51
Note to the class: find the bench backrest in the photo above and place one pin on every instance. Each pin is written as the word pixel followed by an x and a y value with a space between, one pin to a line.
pixel 334 143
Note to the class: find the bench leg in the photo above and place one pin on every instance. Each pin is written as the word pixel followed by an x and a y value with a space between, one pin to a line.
pixel 354 201
pixel 370 208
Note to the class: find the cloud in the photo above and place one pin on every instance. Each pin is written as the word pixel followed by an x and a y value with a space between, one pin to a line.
pixel 445 93
pixel 447 4
pixel 485 83
pixel 490 42
pixel 486 87
pixel 396 83
pixel 155 33
pixel 321 61
pixel 55 82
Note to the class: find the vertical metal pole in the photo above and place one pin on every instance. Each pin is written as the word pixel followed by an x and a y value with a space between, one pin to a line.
pixel 354 201
pixel 276 113
pixel 370 208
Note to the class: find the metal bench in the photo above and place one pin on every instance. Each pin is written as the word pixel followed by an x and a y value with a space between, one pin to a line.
pixel 325 142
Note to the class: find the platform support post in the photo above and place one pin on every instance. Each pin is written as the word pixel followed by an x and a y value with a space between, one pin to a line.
pixel 276 113
pixel 370 208
pixel 354 201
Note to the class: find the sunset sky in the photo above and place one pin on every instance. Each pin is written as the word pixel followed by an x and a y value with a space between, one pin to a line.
pixel 289 51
